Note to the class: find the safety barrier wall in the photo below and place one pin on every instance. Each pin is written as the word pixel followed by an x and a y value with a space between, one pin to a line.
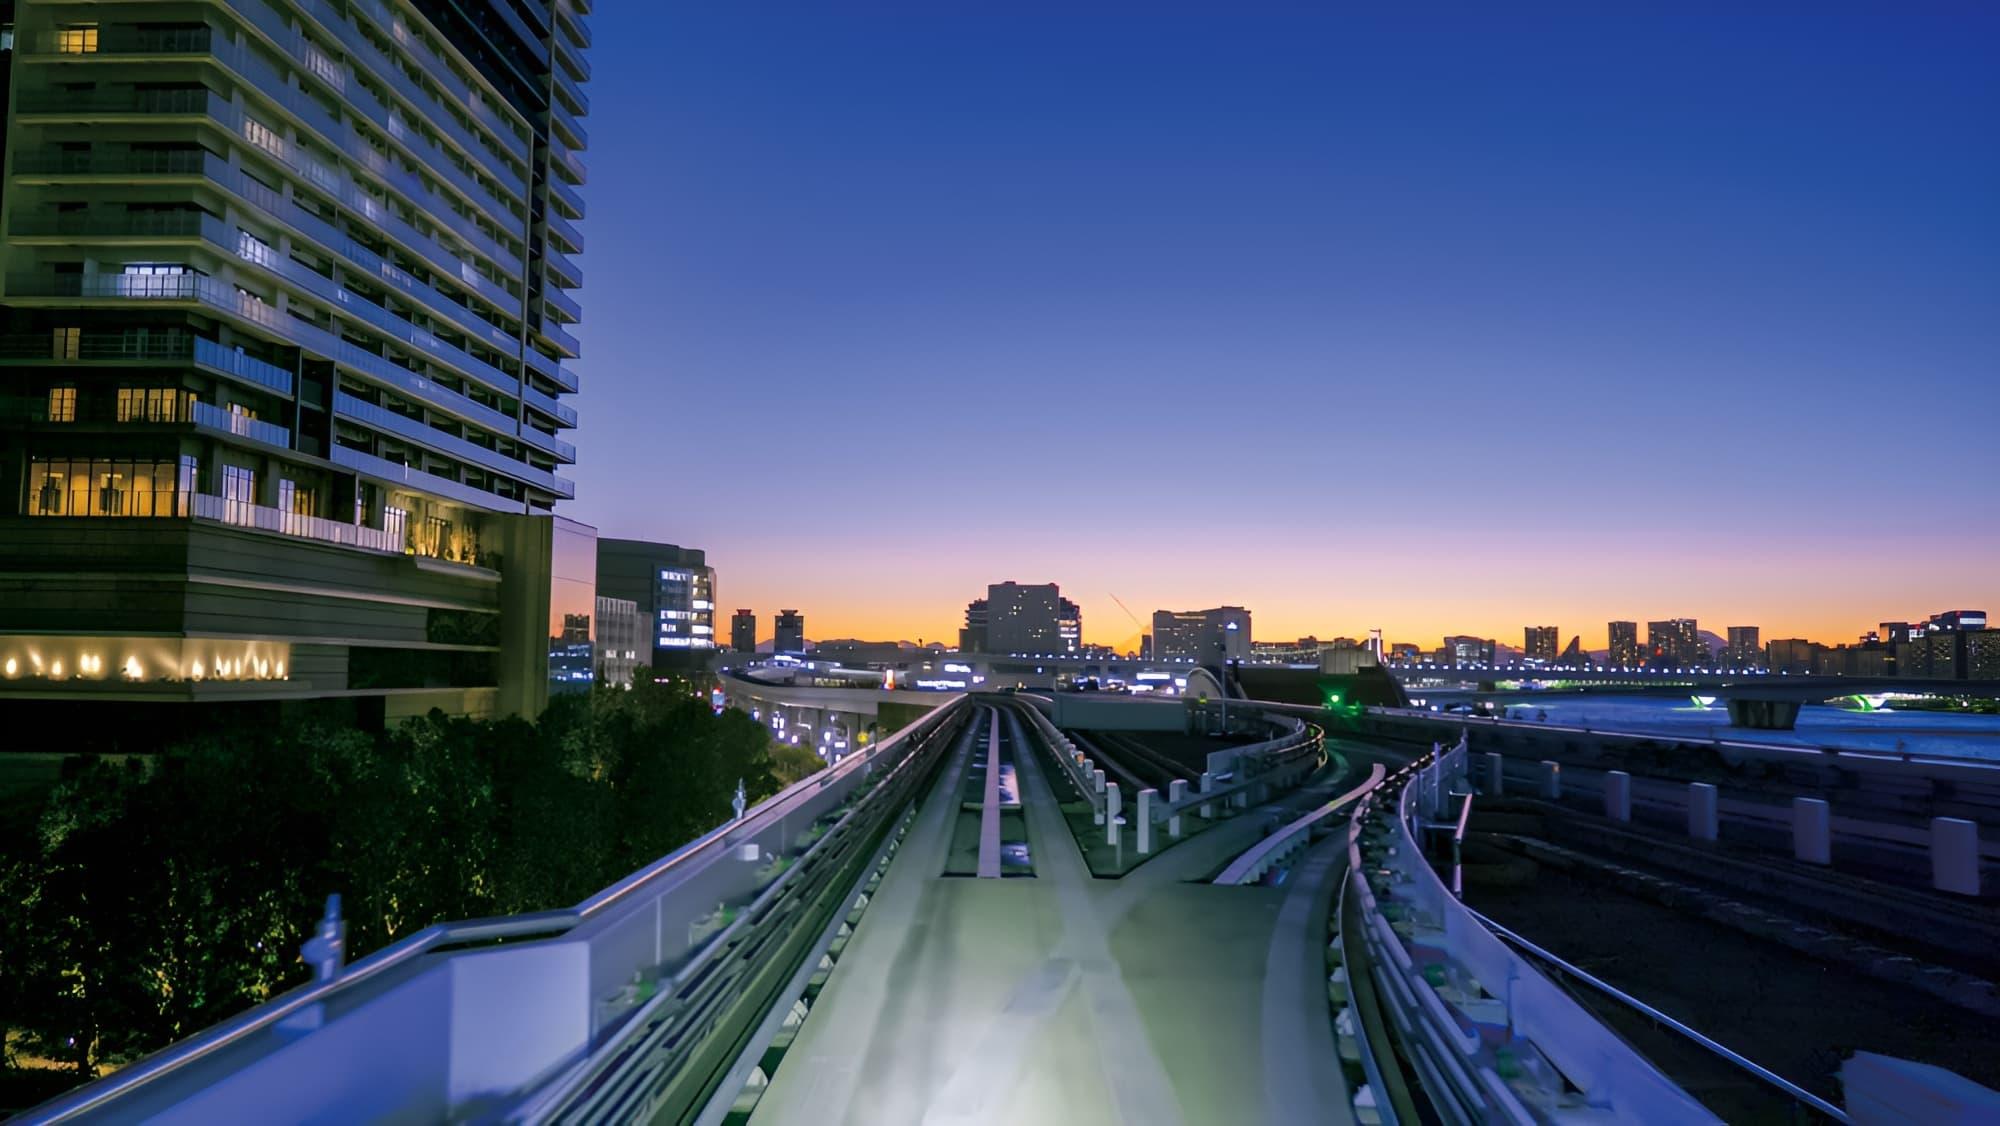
pixel 416 1031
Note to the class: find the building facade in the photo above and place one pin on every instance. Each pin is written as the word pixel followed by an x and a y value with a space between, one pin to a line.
pixel 674 588
pixel 790 635
pixel 1676 643
pixel 1205 637
pixel 1623 651
pixel 286 309
pixel 743 631
pixel 621 641
pixel 972 638
pixel 1466 651
pixel 1540 643
pixel 1746 649
pixel 1792 655
pixel 1024 618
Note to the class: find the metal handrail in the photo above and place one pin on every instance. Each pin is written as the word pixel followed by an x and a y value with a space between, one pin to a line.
pixel 1626 999
pixel 1246 867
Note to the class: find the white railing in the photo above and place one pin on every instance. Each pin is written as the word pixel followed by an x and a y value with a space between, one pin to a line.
pixel 243 514
pixel 1459 993
pixel 1278 849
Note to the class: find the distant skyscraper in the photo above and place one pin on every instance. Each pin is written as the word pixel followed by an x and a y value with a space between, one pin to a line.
pixel 1024 618
pixel 743 631
pixel 1202 636
pixel 972 638
pixel 1675 643
pixel 1624 651
pixel 675 589
pixel 1541 643
pixel 1069 625
pixel 1746 650
pixel 1466 651
pixel 791 632
pixel 1793 655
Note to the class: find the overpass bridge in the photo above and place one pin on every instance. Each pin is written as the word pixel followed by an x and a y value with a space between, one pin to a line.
pixel 1267 938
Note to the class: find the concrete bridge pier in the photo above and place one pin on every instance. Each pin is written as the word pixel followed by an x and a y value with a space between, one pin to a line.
pixel 1763 715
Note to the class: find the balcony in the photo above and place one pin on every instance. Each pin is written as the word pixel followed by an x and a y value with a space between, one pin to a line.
pixel 560 268
pixel 124 43
pixel 568 129
pixel 568 197
pixel 98 105
pixel 549 406
pixel 121 226
pixel 565 343
pixel 62 164
pixel 571 311
pixel 394 472
pixel 243 514
pixel 568 90
pixel 566 237
pixel 549 443
pixel 149 347
pixel 450 445
pixel 239 424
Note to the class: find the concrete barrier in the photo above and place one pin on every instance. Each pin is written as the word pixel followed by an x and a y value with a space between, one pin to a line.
pixel 1552 779
pixel 1702 821
pixel 1146 797
pixel 1955 855
pixel 1207 787
pixel 1496 775
pixel 1176 794
pixel 1112 807
pixel 1812 831
pixel 1618 795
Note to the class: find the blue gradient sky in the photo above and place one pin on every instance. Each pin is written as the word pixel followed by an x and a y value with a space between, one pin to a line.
pixel 1429 319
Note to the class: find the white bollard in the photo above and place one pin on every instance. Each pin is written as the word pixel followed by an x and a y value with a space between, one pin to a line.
pixel 1552 779
pixel 1146 798
pixel 1955 855
pixel 1812 834
pixel 1702 813
pixel 1618 796
pixel 1496 776
pixel 1176 794
pixel 1112 807
pixel 1097 780
pixel 1208 786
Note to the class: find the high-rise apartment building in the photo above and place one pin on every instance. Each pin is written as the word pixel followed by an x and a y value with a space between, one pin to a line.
pixel 675 589
pixel 1746 649
pixel 791 632
pixel 1676 643
pixel 1069 626
pixel 1206 637
pixel 1023 618
pixel 1467 651
pixel 287 300
pixel 1541 643
pixel 743 631
pixel 1624 645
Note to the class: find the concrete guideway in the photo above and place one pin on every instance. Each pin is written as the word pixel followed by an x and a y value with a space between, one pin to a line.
pixel 1069 999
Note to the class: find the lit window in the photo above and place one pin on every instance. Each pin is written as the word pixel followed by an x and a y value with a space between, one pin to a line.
pixel 78 39
pixel 68 343
pixel 62 404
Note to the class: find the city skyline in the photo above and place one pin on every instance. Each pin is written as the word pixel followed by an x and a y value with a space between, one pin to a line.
pixel 1351 254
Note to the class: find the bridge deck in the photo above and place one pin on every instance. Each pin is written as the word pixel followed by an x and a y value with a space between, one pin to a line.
pixel 1068 999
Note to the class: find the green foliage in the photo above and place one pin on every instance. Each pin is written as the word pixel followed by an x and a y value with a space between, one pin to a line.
pixel 143 901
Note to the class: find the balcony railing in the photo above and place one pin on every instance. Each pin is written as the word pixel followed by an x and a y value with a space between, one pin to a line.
pixel 122 224
pixel 240 424
pixel 450 445
pixel 243 514
pixel 134 162
pixel 99 103
pixel 114 347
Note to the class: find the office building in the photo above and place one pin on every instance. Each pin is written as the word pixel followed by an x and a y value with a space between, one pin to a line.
pixel 1793 655
pixel 1676 643
pixel 791 632
pixel 743 631
pixel 1745 650
pixel 1205 637
pixel 1982 655
pixel 1623 652
pixel 1957 620
pixel 972 638
pixel 1069 626
pixel 621 643
pixel 1467 651
pixel 674 588
pixel 1540 643
pixel 285 301
pixel 1023 618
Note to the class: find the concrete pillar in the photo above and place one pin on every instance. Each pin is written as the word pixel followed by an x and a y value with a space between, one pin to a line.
pixel 1618 796
pixel 1097 780
pixel 1955 855
pixel 1812 834
pixel 1147 797
pixel 1702 816
pixel 1112 807
pixel 1176 794
pixel 1208 786
pixel 1495 775
pixel 1552 779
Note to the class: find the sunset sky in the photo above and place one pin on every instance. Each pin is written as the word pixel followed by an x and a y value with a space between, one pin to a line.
pixel 1451 320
